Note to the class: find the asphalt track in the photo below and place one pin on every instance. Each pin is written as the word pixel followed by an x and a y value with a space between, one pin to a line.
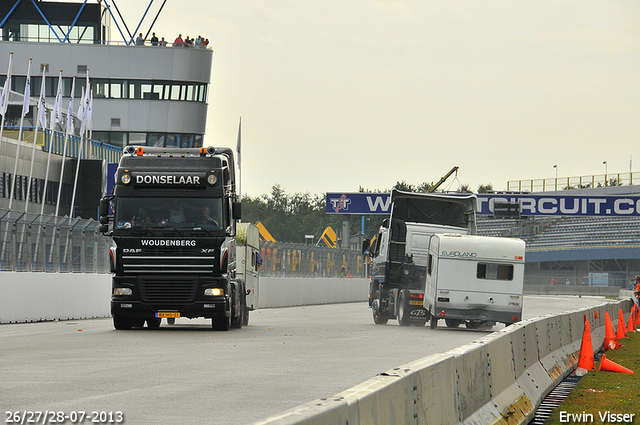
pixel 189 374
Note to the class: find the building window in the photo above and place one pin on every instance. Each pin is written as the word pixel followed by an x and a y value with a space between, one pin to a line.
pixel 116 90
pixel 137 138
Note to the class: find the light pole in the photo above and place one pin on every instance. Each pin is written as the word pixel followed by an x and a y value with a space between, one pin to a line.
pixel 556 167
pixel 606 183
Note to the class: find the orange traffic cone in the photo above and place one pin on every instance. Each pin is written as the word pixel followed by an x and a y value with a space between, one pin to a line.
pixel 622 329
pixel 631 327
pixel 610 339
pixel 585 362
pixel 609 366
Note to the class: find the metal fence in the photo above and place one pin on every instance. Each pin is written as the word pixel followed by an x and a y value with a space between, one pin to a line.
pixel 577 182
pixel 281 259
pixel 32 242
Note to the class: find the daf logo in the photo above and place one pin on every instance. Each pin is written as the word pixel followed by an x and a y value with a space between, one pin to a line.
pixel 208 250
pixel 131 250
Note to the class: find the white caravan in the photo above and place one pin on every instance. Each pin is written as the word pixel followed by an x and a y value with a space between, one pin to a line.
pixel 475 280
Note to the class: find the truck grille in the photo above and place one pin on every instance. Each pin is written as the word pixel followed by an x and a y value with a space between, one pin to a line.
pixel 165 290
pixel 141 264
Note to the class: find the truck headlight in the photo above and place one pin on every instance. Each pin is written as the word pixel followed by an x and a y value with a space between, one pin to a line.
pixel 214 292
pixel 122 291
pixel 126 178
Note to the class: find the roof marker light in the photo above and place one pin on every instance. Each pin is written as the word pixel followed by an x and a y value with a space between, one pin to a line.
pixel 140 151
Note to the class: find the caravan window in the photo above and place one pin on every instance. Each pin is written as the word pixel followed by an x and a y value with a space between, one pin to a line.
pixel 495 271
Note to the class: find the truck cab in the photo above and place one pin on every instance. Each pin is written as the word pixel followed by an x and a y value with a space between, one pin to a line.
pixel 399 253
pixel 173 225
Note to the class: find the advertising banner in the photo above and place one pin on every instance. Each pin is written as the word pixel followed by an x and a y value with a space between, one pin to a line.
pixel 530 204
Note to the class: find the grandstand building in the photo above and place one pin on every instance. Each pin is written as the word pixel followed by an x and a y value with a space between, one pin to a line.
pixel 590 251
pixel 142 95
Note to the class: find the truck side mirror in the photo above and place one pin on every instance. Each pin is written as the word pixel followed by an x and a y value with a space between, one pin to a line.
pixel 104 207
pixel 237 210
pixel 365 246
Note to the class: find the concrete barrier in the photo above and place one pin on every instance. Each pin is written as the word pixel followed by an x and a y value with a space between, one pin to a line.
pixel 498 379
pixel 34 297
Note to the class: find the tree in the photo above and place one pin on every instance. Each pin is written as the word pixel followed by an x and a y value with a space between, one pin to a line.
pixel 404 186
pixel 485 188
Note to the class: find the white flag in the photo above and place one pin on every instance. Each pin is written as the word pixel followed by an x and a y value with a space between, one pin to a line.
pixel 27 96
pixel 81 107
pixel 86 109
pixel 42 104
pixel 70 115
pixel 56 113
pixel 4 98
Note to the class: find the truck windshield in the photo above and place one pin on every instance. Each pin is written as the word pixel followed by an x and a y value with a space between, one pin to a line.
pixel 158 212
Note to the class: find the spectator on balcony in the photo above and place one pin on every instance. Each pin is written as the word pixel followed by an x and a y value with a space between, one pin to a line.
pixel 154 39
pixel 178 41
pixel 140 40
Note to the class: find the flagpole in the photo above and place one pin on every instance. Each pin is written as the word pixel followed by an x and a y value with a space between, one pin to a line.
pixel 41 120
pixel 25 110
pixel 4 100
pixel 66 139
pixel 83 130
pixel 55 118
pixel 238 151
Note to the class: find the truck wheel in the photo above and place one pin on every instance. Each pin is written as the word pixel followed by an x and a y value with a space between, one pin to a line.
pixel 120 323
pixel 237 322
pixel 221 323
pixel 379 317
pixel 403 316
pixel 433 322
pixel 137 323
pixel 245 317
pixel 153 323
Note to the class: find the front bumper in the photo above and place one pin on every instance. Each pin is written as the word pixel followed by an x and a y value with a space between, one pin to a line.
pixel 208 309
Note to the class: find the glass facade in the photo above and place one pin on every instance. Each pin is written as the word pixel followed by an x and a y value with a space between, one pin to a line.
pixel 122 139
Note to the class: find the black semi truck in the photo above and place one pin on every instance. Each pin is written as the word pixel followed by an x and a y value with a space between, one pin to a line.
pixel 172 217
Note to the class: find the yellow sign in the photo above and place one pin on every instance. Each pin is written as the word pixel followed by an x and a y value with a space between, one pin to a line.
pixel 264 233
pixel 168 314
pixel 329 237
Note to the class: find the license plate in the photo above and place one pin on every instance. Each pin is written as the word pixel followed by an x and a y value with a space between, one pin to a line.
pixel 415 302
pixel 167 314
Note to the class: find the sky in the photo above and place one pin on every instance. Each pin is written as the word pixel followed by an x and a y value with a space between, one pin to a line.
pixel 339 95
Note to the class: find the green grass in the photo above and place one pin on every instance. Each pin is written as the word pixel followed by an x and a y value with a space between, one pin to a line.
pixel 601 392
